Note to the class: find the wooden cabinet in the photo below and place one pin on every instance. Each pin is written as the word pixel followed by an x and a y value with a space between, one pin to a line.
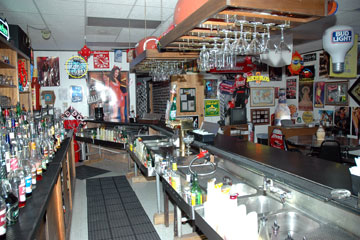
pixel 11 69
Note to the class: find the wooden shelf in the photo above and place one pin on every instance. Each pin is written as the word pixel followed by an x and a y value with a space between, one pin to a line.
pixel 6 65
pixel 141 62
pixel 208 21
pixel 7 86
pixel 24 92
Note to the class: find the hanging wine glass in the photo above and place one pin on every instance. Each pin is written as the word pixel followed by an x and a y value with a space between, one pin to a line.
pixel 242 43
pixel 214 53
pixel 254 48
pixel 203 60
pixel 268 46
pixel 282 46
pixel 226 52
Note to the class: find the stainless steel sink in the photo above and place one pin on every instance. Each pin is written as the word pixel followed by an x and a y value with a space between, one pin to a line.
pixel 290 225
pixel 244 190
pixel 261 204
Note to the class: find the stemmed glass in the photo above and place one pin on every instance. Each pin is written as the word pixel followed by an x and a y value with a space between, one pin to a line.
pixel 242 43
pixel 204 59
pixel 188 139
pixel 214 54
pixel 226 52
pixel 254 47
pixel 282 46
pixel 267 45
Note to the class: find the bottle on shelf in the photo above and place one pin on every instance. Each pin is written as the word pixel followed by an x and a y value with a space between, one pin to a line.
pixel 27 168
pixel 173 110
pixel 2 219
pixel 175 178
pixel 196 192
pixel 11 201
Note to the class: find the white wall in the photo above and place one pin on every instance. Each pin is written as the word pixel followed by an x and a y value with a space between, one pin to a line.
pixel 65 82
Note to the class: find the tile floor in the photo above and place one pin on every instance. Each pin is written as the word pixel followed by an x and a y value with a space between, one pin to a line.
pixel 146 193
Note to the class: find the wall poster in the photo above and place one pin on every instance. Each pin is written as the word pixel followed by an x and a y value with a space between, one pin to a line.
pixel 109 88
pixel 211 88
pixel 319 94
pixel 355 113
pixel 342 119
pixel 306 86
pixel 187 100
pixel 291 88
pixel 48 71
pixel 212 108
pixel 275 73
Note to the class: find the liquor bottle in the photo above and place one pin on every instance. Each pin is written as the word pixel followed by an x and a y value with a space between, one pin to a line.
pixel 27 168
pixel 3 172
pixel 173 110
pixel 44 153
pixel 11 201
pixel 175 178
pixel 17 180
pixel 2 219
pixel 33 162
pixel 36 159
pixel 196 192
pixel 5 152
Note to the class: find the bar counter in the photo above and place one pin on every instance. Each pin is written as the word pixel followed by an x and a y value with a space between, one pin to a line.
pixel 46 202
pixel 310 178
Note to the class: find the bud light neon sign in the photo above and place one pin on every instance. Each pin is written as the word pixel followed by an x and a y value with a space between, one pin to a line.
pixel 341 36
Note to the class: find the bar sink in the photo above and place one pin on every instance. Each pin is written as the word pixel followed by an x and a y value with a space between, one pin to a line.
pixel 290 225
pixel 243 189
pixel 260 204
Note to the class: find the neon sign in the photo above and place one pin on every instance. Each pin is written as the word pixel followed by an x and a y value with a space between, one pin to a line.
pixel 4 29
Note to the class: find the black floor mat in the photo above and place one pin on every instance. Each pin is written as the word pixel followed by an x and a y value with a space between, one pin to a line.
pixel 114 211
pixel 84 172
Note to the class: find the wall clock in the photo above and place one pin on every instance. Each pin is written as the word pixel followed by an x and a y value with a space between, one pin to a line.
pixel 76 67
pixel 101 59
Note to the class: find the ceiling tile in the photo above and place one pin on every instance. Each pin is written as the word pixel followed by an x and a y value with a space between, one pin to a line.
pixel 28 18
pixel 157 3
pixel 152 13
pixel 18 6
pixel 59 7
pixel 122 2
pixel 348 5
pixel 120 22
pixel 135 35
pixel 107 10
pixel 65 22
pixel 99 38
pixel 114 31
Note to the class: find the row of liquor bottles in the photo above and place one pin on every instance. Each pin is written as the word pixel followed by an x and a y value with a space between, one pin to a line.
pixel 28 145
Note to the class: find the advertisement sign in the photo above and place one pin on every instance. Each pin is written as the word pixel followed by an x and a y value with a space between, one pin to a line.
pixel 212 108
pixel 101 60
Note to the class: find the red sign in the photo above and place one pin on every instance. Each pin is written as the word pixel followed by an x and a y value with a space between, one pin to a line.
pixel 277 139
pixel 101 59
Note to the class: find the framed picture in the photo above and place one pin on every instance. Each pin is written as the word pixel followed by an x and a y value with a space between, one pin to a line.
pixel 260 116
pixel 187 100
pixel 336 93
pixel 262 96
pixel 212 107
pixel 354 91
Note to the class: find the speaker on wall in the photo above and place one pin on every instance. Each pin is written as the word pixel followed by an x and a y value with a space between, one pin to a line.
pixel 19 39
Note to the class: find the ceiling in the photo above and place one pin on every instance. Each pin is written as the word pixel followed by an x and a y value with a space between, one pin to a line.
pixel 104 24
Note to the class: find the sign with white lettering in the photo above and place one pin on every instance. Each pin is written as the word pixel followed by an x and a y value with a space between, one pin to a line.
pixel 4 29
pixel 341 36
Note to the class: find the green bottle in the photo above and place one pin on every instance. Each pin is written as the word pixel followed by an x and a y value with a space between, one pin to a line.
pixel 196 192
pixel 173 110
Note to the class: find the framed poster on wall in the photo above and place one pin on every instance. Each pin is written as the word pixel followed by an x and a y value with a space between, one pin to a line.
pixel 110 89
pixel 187 99
pixel 262 96
pixel 260 116
pixel 336 93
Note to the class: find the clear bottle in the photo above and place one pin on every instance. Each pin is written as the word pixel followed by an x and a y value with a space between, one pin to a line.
pixel 36 159
pixel 2 219
pixel 44 153
pixel 11 201
pixel 27 168
pixel 17 180
pixel 5 152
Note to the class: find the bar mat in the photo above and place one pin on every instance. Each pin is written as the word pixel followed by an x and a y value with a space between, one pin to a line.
pixel 84 172
pixel 115 212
